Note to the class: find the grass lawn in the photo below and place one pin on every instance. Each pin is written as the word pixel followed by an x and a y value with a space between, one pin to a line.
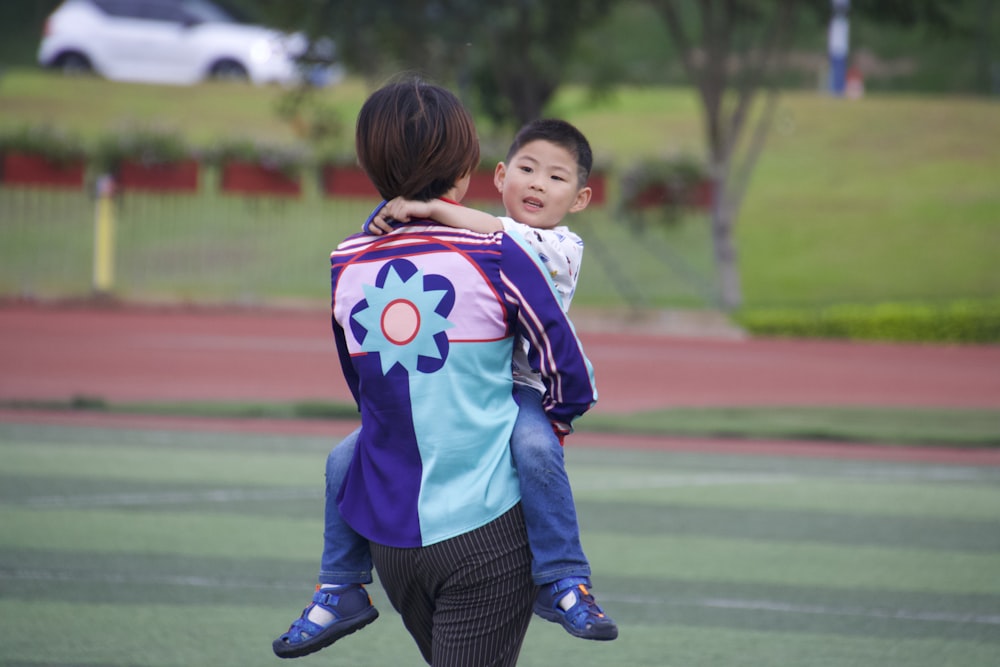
pixel 172 549
pixel 888 198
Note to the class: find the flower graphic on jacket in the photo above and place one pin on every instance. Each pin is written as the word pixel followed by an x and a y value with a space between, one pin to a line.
pixel 403 318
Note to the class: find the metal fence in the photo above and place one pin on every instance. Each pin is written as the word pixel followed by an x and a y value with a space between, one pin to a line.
pixel 207 246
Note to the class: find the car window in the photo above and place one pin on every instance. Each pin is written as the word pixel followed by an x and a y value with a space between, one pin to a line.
pixel 162 11
pixel 121 8
pixel 206 11
pixel 151 10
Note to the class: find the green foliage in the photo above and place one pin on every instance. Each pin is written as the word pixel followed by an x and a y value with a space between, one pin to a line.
pixel 144 144
pixel 962 321
pixel 670 182
pixel 56 145
pixel 312 118
pixel 276 157
pixel 507 59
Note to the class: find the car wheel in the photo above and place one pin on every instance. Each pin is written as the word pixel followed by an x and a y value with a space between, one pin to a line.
pixel 228 70
pixel 74 64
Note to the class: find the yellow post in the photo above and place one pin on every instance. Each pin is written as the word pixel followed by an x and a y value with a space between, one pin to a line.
pixel 104 236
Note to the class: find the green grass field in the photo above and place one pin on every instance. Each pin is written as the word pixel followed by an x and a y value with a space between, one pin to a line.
pixel 140 549
pixel 888 198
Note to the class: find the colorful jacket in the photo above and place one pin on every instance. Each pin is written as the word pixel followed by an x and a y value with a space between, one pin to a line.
pixel 425 320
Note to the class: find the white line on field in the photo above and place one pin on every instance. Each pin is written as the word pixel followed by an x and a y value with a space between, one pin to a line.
pixel 138 579
pixel 244 495
pixel 170 498
pixel 585 478
pixel 708 603
pixel 823 610
pixel 602 481
pixel 588 478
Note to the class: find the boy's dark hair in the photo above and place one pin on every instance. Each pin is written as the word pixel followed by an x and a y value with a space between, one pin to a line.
pixel 560 133
pixel 415 139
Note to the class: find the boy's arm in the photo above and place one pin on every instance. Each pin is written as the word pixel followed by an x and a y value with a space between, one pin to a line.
pixel 438 210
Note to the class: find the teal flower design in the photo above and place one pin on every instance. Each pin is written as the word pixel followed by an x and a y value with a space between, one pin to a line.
pixel 401 319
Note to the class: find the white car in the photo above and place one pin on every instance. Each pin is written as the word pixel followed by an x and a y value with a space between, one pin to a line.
pixel 166 41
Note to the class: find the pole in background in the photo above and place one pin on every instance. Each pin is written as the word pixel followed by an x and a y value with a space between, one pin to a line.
pixel 104 236
pixel 838 44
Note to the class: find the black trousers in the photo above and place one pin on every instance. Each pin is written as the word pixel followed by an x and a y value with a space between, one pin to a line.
pixel 466 601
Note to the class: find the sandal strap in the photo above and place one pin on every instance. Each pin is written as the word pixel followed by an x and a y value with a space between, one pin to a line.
pixel 303 625
pixel 563 585
pixel 326 599
pixel 322 598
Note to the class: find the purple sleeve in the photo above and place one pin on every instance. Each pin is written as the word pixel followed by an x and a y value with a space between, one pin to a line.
pixel 346 365
pixel 555 350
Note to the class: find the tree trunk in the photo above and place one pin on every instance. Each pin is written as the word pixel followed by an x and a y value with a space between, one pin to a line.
pixel 727 96
pixel 724 246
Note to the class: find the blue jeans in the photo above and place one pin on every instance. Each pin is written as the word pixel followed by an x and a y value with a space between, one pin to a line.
pixel 546 499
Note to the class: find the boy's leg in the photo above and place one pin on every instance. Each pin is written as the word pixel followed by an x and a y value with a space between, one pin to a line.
pixel 346 557
pixel 340 605
pixel 546 496
pixel 558 564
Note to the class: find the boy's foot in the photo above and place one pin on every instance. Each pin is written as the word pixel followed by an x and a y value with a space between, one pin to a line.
pixel 569 603
pixel 350 609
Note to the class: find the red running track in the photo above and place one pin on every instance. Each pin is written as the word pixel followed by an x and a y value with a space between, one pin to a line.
pixel 149 354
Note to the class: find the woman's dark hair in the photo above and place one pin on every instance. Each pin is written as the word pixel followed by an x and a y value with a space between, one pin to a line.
pixel 415 139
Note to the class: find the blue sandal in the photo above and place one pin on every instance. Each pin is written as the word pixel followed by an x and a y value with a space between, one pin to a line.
pixel 351 608
pixel 584 619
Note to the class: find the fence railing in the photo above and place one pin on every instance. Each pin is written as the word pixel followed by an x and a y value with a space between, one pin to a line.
pixel 206 246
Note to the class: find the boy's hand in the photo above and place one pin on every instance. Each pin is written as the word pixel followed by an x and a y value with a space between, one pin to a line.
pixel 379 224
pixel 397 210
pixel 561 431
pixel 404 210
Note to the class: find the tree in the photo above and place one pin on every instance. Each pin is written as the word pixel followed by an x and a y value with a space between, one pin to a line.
pixel 731 51
pixel 507 58
pixel 522 52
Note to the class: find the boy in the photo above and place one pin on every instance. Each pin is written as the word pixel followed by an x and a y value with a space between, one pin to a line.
pixel 542 179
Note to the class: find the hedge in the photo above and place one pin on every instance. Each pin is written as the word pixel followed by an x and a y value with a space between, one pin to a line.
pixel 965 321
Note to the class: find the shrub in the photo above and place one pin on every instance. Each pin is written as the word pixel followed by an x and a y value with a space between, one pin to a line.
pixel 56 146
pixel 148 146
pixel 286 159
pixel 667 182
pixel 963 321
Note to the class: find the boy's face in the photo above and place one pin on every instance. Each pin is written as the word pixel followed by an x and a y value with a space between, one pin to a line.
pixel 539 185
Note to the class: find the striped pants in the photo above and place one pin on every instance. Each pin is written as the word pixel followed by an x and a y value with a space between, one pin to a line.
pixel 466 601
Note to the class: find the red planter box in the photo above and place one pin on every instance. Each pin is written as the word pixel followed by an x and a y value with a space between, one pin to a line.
pixel 27 169
pixel 168 177
pixel 598 187
pixel 700 197
pixel 481 187
pixel 346 182
pixel 254 179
